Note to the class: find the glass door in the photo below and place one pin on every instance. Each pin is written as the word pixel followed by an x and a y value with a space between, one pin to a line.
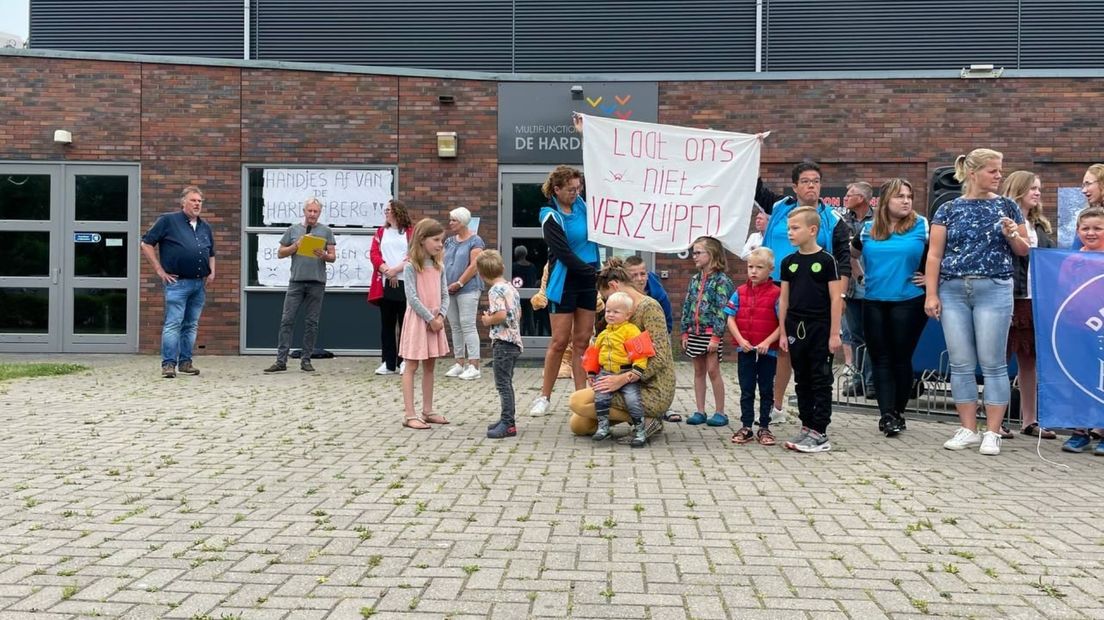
pixel 30 258
pixel 100 270
pixel 69 258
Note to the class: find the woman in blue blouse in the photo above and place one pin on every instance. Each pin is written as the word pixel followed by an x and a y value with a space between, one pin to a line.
pixel 572 271
pixel 891 248
pixel 969 289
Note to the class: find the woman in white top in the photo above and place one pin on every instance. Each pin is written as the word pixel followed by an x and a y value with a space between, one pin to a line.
pixel 755 239
pixel 388 255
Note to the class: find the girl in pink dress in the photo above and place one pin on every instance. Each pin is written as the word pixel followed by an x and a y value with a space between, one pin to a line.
pixel 423 337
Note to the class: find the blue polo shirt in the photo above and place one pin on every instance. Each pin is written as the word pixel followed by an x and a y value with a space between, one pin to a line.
pixel 183 252
pixel 890 263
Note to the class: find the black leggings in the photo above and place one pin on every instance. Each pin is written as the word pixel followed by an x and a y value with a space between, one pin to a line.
pixel 392 308
pixel 892 330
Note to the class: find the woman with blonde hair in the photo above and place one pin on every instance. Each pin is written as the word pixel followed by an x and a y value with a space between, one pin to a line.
pixel 1027 190
pixel 969 289
pixel 1092 188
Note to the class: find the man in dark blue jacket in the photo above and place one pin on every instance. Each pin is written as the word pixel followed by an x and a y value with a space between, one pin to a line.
pixel 185 262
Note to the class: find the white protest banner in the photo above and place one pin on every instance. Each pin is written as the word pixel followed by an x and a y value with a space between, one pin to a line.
pixel 658 187
pixel 349 197
pixel 353 266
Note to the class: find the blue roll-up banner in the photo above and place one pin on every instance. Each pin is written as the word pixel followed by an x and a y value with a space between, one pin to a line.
pixel 1067 297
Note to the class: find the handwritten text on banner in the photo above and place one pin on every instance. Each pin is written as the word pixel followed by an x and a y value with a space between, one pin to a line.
pixel 349 197
pixel 658 187
pixel 352 267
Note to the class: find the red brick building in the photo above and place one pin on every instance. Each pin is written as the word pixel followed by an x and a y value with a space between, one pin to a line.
pixel 203 122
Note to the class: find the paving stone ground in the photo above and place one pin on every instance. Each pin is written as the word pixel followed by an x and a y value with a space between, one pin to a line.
pixel 240 495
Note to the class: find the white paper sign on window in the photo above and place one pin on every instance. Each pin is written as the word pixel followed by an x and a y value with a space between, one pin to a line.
pixel 353 266
pixel 349 197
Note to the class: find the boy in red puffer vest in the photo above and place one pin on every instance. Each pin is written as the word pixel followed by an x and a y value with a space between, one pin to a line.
pixel 753 322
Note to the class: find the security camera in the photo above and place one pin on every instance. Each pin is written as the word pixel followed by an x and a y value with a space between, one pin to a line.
pixel 63 137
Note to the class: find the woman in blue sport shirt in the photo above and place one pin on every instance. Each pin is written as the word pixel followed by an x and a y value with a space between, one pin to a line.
pixel 969 289
pixel 891 248
pixel 572 272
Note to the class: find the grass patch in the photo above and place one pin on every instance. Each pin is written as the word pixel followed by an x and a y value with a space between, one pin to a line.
pixel 18 371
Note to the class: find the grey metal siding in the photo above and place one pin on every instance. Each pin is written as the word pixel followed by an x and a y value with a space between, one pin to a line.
pixel 212 28
pixel 431 34
pixel 1061 34
pixel 898 34
pixel 635 35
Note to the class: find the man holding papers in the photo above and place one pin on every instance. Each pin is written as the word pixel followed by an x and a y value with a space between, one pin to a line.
pixel 310 245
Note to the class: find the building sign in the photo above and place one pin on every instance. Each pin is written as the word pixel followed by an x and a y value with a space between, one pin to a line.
pixel 534 118
pixel 349 197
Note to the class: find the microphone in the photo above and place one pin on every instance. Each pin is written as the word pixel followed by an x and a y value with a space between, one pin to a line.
pixel 309 228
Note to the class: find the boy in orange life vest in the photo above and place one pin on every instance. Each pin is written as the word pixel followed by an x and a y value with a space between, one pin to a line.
pixel 753 323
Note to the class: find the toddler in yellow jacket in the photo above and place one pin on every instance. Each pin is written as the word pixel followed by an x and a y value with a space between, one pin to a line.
pixel 613 359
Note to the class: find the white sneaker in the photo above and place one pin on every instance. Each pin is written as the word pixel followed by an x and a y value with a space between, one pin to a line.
pixel 402 368
pixel 990 443
pixel 539 407
pixel 778 416
pixel 383 370
pixel 965 438
pixel 455 371
pixel 470 373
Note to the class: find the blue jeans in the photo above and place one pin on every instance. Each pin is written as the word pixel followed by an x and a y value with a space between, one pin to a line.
pixel 756 370
pixel 631 394
pixel 976 315
pixel 183 304
pixel 854 335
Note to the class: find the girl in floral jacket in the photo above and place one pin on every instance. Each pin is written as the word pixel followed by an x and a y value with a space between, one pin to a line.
pixel 703 325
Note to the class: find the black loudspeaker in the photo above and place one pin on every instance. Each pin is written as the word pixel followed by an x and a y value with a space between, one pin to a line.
pixel 943 189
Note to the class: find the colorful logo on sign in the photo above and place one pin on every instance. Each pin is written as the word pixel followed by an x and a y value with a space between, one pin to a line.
pixel 1080 319
pixel 615 106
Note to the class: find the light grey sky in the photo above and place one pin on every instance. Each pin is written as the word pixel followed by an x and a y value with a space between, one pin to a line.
pixel 15 17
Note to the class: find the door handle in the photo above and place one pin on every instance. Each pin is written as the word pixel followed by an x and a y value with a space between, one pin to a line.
pixel 56 275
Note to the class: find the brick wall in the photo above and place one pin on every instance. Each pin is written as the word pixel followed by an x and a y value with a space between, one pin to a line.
pixel 199 125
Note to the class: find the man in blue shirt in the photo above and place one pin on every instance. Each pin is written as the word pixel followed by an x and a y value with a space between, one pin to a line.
pixel 185 262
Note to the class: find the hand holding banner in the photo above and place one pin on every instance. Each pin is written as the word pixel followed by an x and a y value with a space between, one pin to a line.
pixel 658 187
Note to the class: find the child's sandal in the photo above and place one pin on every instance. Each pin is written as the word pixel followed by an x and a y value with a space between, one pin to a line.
pixel 766 438
pixel 433 418
pixel 415 423
pixel 742 436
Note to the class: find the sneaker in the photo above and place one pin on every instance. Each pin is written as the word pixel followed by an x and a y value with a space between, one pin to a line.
pixel 639 436
pixel 455 370
pixel 539 407
pixel 168 371
pixel 963 438
pixel 603 431
pixel 188 369
pixel 501 431
pixel 402 367
pixel 471 373
pixel 813 442
pixel 306 366
pixel 800 437
pixel 279 367
pixel 894 425
pixel 1076 443
pixel 990 443
pixel 384 370
pixel 778 416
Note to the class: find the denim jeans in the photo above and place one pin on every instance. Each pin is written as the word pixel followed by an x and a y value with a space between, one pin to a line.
pixel 505 355
pixel 461 319
pixel 977 312
pixel 630 392
pixel 756 370
pixel 183 304
pixel 854 334
pixel 309 295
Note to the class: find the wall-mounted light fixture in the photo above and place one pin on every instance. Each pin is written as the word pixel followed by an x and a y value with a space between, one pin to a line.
pixel 446 99
pixel 576 91
pixel 446 144
pixel 63 137
pixel 981 72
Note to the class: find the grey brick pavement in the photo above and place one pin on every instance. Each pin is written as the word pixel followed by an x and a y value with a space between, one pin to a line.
pixel 236 494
